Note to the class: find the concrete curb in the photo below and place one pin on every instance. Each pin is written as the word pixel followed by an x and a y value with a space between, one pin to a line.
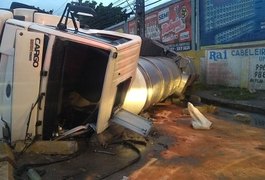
pixel 239 105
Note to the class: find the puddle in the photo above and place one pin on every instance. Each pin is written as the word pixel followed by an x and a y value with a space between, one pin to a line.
pixel 256 120
pixel 258 123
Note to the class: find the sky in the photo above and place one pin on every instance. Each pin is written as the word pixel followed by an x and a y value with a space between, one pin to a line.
pixel 58 5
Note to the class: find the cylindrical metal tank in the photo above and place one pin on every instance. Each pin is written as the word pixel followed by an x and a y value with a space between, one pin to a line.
pixel 137 95
pixel 156 79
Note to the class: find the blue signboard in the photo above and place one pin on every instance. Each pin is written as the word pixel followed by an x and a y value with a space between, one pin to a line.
pixel 231 21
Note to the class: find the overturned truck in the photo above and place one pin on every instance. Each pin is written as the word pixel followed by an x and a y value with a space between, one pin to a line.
pixel 57 79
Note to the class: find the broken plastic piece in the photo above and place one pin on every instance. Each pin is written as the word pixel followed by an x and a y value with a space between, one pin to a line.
pixel 133 122
pixel 244 118
pixel 199 120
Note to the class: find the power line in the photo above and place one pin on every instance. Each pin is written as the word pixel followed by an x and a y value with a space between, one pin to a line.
pixel 106 16
pixel 61 6
pixel 120 4
pixel 116 2
pixel 152 3
pixel 129 5
pixel 124 4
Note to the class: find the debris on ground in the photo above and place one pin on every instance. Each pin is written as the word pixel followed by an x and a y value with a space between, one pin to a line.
pixel 145 115
pixel 252 90
pixel 194 99
pixel 163 114
pixel 203 109
pixel 7 161
pixel 199 120
pixel 171 150
pixel 113 132
pixel 166 102
pixel 33 174
pixel 105 152
pixel 125 178
pixel 48 147
pixel 244 118
pixel 261 147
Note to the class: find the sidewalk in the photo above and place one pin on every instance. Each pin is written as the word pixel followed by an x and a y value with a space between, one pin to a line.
pixel 256 105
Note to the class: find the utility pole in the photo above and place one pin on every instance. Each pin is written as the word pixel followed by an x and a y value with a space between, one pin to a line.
pixel 140 17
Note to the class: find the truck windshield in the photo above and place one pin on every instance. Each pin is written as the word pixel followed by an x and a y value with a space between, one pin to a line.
pixel 75 84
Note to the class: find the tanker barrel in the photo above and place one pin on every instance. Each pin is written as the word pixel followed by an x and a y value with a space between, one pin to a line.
pixel 156 79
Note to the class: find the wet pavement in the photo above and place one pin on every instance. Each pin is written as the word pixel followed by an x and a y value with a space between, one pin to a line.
pixel 256 104
pixel 173 150
pixel 230 150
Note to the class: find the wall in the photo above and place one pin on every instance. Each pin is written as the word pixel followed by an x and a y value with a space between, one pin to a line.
pixel 240 67
pixel 120 27
pixel 232 33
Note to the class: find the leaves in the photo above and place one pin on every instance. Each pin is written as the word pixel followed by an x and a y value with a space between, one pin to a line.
pixel 106 16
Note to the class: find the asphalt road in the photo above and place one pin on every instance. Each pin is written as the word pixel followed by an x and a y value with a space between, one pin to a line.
pixel 173 150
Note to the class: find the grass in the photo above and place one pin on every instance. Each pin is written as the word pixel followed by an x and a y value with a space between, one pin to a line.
pixel 233 93
pixel 237 94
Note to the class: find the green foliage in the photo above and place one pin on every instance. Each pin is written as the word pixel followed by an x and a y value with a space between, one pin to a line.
pixel 232 93
pixel 236 93
pixel 106 16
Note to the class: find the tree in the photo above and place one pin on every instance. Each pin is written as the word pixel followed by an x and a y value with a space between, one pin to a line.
pixel 106 16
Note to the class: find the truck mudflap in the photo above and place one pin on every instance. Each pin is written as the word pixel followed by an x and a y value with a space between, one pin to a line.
pixel 133 122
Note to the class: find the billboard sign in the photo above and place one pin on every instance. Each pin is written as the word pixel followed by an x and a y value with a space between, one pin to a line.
pixel 132 27
pixel 170 25
pixel 231 21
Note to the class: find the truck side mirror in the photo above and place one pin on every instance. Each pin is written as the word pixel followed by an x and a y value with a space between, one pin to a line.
pixel 74 10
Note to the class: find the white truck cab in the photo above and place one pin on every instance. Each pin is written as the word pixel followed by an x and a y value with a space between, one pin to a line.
pixel 46 72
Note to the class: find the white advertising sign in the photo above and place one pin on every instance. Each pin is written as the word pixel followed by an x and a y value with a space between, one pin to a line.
pixel 163 15
pixel 244 67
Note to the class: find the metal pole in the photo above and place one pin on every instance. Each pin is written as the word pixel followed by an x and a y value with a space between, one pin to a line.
pixel 140 17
